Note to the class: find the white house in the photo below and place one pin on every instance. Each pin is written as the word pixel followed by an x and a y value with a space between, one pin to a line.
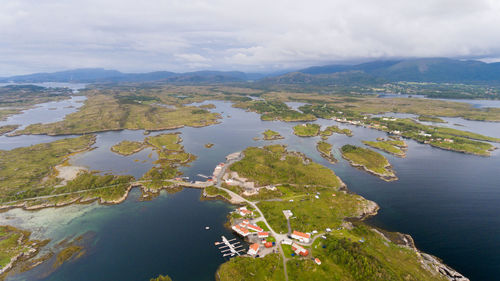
pixel 302 237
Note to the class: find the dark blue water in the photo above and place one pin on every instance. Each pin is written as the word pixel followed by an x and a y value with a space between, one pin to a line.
pixel 449 202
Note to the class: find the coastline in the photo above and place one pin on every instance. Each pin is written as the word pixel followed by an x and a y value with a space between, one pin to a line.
pixel 385 177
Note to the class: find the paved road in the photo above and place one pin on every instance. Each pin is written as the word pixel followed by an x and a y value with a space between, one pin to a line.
pixel 279 237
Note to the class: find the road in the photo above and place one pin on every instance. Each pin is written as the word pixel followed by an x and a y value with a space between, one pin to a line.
pixel 279 237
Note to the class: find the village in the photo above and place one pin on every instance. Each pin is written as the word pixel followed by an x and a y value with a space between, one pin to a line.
pixel 251 226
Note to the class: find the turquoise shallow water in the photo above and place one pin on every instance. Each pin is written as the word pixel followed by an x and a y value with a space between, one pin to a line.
pixel 449 202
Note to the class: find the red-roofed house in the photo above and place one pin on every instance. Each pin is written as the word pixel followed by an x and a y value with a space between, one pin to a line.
pixel 254 227
pixel 245 222
pixel 244 211
pixel 317 261
pixel 253 250
pixel 302 237
pixel 299 250
pixel 240 230
pixel 263 234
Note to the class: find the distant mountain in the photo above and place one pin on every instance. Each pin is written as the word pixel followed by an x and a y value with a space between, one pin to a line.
pixel 93 75
pixel 338 78
pixel 420 70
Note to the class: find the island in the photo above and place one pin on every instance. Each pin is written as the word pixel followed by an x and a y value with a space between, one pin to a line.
pixel 307 130
pixel 368 160
pixel 16 245
pixel 209 145
pixel 306 209
pixel 275 110
pixel 328 131
pixel 103 112
pixel 271 135
pixel 325 149
pixel 7 129
pixel 394 147
pixel 432 119
pixel 127 148
pixel 58 183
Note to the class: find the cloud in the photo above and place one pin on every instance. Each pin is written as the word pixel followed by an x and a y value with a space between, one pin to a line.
pixel 258 35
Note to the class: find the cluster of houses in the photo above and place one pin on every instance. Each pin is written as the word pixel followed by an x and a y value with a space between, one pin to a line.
pixel 249 188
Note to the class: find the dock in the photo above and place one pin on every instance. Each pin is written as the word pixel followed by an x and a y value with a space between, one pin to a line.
pixel 230 247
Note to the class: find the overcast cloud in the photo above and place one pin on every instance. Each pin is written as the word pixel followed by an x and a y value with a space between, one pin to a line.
pixel 257 35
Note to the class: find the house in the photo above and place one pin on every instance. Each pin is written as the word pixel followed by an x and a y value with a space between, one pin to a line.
pixel 254 227
pixel 240 230
pixel 302 237
pixel 286 242
pixel 253 250
pixel 448 140
pixel 317 261
pixel 243 211
pixel 299 250
pixel 245 222
pixel 263 234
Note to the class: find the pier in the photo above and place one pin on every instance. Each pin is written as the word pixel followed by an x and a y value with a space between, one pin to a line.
pixel 230 247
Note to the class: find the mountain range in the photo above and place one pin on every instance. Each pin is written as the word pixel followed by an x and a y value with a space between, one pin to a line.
pixel 440 70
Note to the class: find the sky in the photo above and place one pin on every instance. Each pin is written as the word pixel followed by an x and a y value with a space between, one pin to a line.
pixel 252 36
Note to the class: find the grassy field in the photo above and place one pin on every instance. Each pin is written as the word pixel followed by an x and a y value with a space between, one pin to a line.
pixel 328 131
pixel 265 166
pixel 7 129
pixel 307 130
pixel 343 257
pixel 387 146
pixel 325 149
pixel 29 171
pixel 126 147
pixel 370 160
pixel 275 110
pixel 311 213
pixel 433 119
pixel 271 135
pixel 105 113
pixel 269 268
pixel 214 191
pixel 361 104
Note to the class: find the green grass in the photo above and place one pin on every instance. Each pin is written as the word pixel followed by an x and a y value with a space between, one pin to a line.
pixel 344 258
pixel 464 134
pixel 325 149
pixel 306 130
pixel 213 191
pixel 126 147
pixel 311 213
pixel 328 131
pixel 269 268
pixel 264 166
pixel 271 135
pixel 386 146
pixel 275 110
pixel 7 129
pixel 430 119
pixel 29 171
pixel 165 142
pixel 14 241
pixel 367 158
pixel 263 225
pixel 110 112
